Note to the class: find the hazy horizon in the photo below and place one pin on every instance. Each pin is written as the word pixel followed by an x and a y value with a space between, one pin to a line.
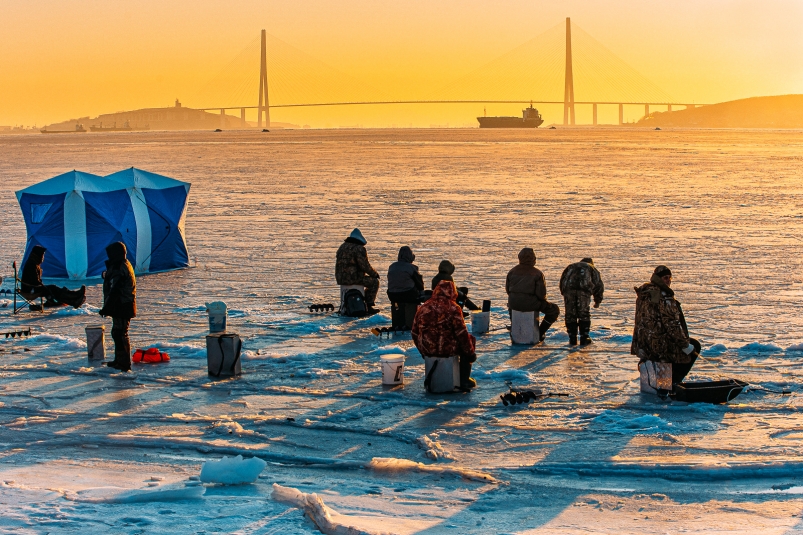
pixel 64 61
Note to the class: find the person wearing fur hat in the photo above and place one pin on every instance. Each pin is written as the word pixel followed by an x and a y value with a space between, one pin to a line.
pixel 578 284
pixel 445 271
pixel 660 333
pixel 353 268
pixel 526 290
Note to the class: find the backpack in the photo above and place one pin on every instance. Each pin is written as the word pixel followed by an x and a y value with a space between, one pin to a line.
pixel 353 304
pixel 580 278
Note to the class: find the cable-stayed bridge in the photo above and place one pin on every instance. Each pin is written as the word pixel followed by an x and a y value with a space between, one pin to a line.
pixel 532 73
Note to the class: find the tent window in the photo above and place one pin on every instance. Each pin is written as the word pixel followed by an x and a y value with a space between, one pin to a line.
pixel 38 212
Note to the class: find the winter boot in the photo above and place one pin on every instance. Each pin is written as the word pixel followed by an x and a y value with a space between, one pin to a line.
pixel 585 327
pixel 543 328
pixel 466 382
pixel 571 328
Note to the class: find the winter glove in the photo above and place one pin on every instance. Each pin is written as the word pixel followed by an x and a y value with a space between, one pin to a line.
pixel 689 349
pixel 596 304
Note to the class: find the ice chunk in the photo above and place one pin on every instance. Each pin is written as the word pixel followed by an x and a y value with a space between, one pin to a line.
pixel 716 349
pixel 232 470
pixel 758 347
pixel 325 519
pixel 433 449
pixel 389 350
pixel 395 466
pixel 120 495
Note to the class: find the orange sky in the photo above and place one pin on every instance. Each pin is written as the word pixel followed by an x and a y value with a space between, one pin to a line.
pixel 60 60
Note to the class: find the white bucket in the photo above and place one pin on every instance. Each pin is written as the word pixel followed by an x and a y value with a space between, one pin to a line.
pixel 392 369
pixel 217 316
pixel 480 322
pixel 523 329
pixel 654 376
pixel 446 375
pixel 96 342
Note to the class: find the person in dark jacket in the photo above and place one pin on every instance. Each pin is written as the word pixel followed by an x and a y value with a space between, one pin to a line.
pixel 404 281
pixel 119 302
pixel 31 283
pixel 526 290
pixel 353 268
pixel 445 271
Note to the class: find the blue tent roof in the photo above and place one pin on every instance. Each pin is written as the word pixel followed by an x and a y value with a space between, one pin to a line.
pixel 76 215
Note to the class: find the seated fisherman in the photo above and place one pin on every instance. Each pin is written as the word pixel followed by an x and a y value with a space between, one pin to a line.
pixel 660 333
pixel 445 271
pixel 440 331
pixel 526 290
pixel 352 268
pixel 404 281
pixel 31 283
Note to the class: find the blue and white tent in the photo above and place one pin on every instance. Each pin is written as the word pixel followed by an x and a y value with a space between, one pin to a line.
pixel 76 215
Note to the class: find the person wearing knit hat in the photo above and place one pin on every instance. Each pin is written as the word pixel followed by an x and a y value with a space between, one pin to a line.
pixel 578 284
pixel 352 268
pixel 660 333
pixel 526 290
pixel 445 271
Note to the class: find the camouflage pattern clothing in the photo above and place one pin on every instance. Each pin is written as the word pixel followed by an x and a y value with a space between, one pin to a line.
pixel 660 333
pixel 578 306
pixel 352 268
pixel 439 329
pixel 579 282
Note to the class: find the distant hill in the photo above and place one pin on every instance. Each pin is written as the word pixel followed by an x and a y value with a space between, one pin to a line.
pixel 785 111
pixel 176 117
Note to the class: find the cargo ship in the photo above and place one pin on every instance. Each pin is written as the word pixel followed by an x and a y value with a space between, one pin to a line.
pixel 114 128
pixel 530 119
pixel 78 128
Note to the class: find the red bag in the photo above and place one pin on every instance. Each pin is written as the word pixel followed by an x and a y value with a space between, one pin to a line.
pixel 151 355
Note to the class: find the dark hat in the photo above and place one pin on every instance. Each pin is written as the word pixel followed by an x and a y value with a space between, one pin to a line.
pixel 588 260
pixel 527 256
pixel 662 271
pixel 406 255
pixel 446 267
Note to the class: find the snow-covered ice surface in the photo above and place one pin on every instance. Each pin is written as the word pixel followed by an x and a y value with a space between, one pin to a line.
pixel 84 450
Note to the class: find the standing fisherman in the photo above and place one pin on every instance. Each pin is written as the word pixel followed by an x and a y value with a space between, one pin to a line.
pixel 119 302
pixel 579 282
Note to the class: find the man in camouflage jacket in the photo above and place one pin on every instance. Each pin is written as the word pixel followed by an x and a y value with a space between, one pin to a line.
pixel 353 268
pixel 440 331
pixel 660 333
pixel 579 282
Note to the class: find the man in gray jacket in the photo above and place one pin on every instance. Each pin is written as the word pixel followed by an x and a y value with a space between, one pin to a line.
pixel 526 290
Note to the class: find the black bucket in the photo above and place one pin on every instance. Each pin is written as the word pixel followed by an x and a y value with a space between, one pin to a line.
pixel 708 391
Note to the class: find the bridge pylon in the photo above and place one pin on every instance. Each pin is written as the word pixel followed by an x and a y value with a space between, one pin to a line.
pixel 568 92
pixel 264 103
